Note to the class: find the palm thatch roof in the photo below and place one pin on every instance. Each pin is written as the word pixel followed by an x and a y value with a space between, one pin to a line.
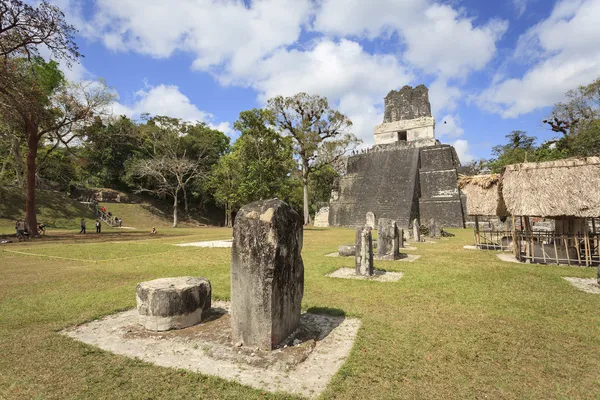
pixel 569 187
pixel 483 193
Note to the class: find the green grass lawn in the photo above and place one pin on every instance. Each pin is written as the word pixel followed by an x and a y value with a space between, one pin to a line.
pixel 459 324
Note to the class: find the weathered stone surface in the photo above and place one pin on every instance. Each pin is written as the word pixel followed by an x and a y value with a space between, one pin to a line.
pixel 388 239
pixel 416 231
pixel 370 220
pixel 407 103
pixel 172 303
pixel 364 251
pixel 388 183
pixel 322 218
pixel 267 274
pixel 347 250
pixel 433 228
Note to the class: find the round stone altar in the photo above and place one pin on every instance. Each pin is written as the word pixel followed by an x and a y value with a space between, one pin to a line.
pixel 173 303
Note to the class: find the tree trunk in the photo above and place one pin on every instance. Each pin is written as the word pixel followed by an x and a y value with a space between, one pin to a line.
pixel 175 211
pixel 32 148
pixel 185 202
pixel 18 161
pixel 305 200
pixel 228 216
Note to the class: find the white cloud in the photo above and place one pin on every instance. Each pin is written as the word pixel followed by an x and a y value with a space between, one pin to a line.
pixel 167 100
pixel 564 57
pixel 449 126
pixel 438 38
pixel 520 7
pixel 443 97
pixel 342 71
pixel 215 32
pixel 463 150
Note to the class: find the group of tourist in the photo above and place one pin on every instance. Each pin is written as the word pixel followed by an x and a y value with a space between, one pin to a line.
pixel 23 232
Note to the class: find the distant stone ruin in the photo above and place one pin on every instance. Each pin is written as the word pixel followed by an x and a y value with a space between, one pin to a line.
pixel 267 274
pixel 407 103
pixel 407 175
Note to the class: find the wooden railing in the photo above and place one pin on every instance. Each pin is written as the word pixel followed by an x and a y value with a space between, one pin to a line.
pixel 493 239
pixel 553 248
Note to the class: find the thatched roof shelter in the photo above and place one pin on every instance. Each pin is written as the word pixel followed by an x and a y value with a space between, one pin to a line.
pixel 484 196
pixel 564 188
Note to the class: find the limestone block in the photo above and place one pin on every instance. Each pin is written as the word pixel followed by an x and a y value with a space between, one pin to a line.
pixel 364 251
pixel 407 103
pixel 322 218
pixel 433 228
pixel 416 231
pixel 388 239
pixel 347 250
pixel 173 303
pixel 370 220
pixel 267 274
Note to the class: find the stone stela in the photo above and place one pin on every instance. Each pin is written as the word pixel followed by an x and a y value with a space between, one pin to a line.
pixel 364 251
pixel 388 240
pixel 267 274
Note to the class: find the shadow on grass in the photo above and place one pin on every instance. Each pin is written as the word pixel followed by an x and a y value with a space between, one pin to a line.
pixel 335 312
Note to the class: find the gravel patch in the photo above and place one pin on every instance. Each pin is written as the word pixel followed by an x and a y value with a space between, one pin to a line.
pixel 584 284
pixel 304 366
pixel 378 275
pixel 211 243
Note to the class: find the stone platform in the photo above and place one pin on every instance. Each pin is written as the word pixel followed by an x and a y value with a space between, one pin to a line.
pixel 303 366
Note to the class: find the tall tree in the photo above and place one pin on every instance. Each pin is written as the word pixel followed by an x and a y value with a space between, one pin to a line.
pixel 109 145
pixel 167 166
pixel 520 148
pixel 317 130
pixel 23 28
pixel 35 97
pixel 259 166
pixel 580 108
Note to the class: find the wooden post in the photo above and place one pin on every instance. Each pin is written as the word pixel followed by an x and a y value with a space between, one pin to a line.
pixel 554 239
pixel 516 248
pixel 567 250
pixel 586 245
pixel 477 236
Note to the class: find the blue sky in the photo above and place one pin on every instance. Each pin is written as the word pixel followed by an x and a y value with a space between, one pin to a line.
pixel 491 66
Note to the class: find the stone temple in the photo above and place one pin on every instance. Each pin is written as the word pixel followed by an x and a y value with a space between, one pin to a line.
pixel 407 175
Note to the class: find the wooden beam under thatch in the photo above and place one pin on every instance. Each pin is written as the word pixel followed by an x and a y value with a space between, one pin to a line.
pixel 484 194
pixel 569 187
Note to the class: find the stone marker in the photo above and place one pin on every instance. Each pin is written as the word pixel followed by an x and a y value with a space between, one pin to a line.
pixel 433 231
pixel 364 251
pixel 388 239
pixel 173 303
pixel 347 250
pixel 416 231
pixel 371 220
pixel 267 274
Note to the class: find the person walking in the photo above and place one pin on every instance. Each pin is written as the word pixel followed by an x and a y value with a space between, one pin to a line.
pixel 98 226
pixel 82 226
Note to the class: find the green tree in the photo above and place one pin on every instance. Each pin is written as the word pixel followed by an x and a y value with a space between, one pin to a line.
pixel 318 132
pixel 35 98
pixel 108 148
pixel 167 165
pixel 260 165
pixel 224 183
pixel 520 148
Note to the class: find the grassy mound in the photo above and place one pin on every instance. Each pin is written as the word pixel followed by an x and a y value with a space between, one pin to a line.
pixel 54 209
